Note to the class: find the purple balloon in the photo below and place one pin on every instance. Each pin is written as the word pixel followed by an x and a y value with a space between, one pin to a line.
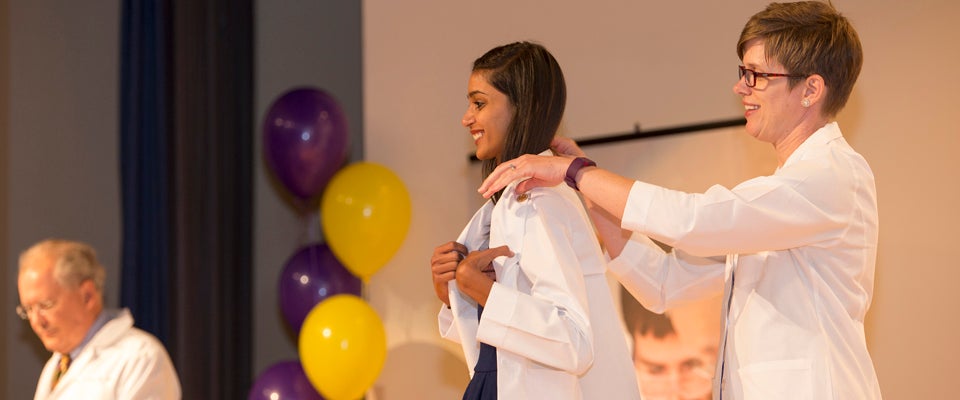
pixel 305 140
pixel 284 380
pixel 311 275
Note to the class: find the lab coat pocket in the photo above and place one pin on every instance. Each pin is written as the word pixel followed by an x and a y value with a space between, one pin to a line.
pixel 781 379
pixel 774 352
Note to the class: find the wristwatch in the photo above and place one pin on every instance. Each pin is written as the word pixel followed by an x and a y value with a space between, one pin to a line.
pixel 574 168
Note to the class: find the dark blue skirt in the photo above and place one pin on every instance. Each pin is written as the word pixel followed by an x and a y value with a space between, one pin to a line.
pixel 483 386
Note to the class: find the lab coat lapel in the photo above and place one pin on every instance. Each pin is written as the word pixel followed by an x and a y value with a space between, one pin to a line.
pixel 475 236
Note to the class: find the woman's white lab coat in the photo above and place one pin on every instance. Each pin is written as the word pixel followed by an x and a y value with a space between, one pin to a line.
pixel 797 253
pixel 550 314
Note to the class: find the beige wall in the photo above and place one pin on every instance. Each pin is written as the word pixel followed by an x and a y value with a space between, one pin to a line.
pixel 663 64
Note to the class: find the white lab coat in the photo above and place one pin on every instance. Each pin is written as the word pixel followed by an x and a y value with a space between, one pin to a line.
pixel 550 314
pixel 797 256
pixel 120 362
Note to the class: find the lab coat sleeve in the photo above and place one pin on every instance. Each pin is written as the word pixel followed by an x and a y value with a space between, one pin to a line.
pixel 794 208
pixel 661 280
pixel 460 319
pixel 547 324
pixel 447 324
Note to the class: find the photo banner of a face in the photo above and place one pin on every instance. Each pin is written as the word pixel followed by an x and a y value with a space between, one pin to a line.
pixel 674 353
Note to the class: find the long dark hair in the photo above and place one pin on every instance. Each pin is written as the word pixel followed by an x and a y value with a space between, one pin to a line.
pixel 531 78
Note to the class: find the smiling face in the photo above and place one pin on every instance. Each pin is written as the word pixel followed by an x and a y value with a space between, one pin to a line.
pixel 62 327
pixel 772 108
pixel 488 116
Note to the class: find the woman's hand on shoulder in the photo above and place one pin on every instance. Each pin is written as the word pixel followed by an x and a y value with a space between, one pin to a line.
pixel 536 171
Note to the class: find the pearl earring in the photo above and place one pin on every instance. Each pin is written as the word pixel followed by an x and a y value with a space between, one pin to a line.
pixel 805 102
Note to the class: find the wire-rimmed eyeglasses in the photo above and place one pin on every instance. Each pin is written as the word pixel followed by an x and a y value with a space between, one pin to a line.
pixel 24 311
pixel 750 76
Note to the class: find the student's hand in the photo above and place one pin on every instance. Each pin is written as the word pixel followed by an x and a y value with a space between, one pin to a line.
pixel 475 274
pixel 443 267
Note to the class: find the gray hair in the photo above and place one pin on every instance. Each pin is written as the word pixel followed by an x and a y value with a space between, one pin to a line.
pixel 74 262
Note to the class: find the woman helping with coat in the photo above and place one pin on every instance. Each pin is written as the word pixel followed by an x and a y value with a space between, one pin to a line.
pixel 792 253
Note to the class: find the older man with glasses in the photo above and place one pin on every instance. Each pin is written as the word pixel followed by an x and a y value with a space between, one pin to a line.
pixel 97 353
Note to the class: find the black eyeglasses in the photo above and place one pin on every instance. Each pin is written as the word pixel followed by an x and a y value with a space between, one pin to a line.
pixel 751 76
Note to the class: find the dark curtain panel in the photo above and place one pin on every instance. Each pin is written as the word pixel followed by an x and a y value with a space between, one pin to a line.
pixel 187 163
pixel 144 165
pixel 213 132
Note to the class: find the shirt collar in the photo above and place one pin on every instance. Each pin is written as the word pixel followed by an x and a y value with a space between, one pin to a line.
pixel 823 135
pixel 102 319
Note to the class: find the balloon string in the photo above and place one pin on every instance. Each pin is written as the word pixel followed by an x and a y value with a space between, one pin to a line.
pixel 312 226
pixel 310 232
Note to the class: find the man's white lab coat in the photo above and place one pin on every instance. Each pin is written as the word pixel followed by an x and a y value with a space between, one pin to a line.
pixel 120 362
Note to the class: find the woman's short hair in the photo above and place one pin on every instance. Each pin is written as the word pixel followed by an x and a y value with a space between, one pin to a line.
pixel 809 37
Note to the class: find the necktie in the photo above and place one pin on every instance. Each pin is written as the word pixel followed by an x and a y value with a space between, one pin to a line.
pixel 61 369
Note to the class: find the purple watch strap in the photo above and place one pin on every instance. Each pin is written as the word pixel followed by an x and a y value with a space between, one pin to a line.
pixel 575 166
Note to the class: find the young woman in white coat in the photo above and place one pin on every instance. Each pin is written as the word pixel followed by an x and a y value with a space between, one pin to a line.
pixel 523 287
pixel 793 253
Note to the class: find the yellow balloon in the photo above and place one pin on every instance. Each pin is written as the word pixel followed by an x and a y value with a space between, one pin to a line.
pixel 365 214
pixel 342 347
